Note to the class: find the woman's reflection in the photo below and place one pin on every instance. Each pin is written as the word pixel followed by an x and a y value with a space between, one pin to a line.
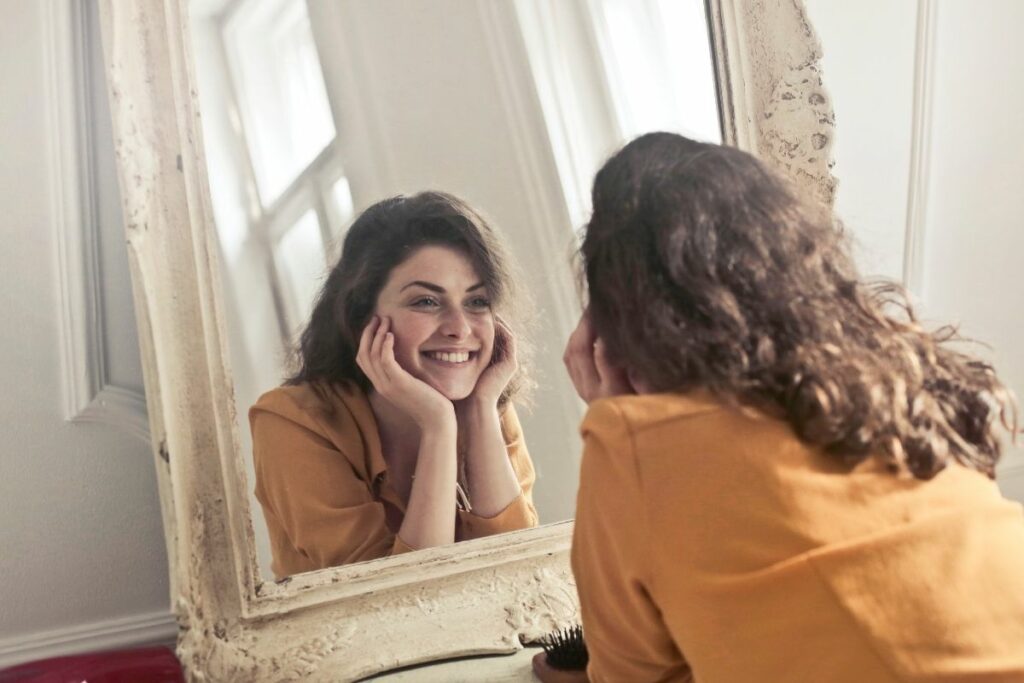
pixel 398 431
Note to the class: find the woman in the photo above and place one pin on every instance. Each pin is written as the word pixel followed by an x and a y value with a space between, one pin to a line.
pixel 398 431
pixel 785 477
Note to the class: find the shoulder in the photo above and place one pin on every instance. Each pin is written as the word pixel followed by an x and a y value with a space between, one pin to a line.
pixel 310 397
pixel 310 419
pixel 621 417
pixel 668 432
pixel 311 405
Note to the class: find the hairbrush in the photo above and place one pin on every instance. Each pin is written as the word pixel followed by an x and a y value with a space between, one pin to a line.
pixel 564 659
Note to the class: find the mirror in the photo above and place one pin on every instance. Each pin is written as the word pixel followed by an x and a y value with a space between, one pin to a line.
pixel 488 595
pixel 312 112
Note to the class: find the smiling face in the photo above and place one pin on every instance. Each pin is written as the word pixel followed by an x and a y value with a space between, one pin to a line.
pixel 441 317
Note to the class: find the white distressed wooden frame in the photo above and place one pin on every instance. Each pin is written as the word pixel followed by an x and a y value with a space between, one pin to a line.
pixel 484 596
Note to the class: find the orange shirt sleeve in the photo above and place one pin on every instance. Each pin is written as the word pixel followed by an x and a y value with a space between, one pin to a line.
pixel 625 635
pixel 520 513
pixel 319 511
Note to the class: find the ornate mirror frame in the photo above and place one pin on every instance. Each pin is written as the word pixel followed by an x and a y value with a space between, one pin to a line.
pixel 484 596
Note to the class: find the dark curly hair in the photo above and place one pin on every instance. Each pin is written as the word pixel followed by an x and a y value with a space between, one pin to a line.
pixel 705 269
pixel 381 238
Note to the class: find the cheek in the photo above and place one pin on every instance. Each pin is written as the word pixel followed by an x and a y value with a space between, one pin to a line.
pixel 410 332
pixel 404 350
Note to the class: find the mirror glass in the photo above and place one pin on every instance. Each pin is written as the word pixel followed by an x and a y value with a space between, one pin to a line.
pixel 314 110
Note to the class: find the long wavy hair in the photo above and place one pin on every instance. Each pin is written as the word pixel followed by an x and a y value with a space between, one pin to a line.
pixel 381 238
pixel 705 269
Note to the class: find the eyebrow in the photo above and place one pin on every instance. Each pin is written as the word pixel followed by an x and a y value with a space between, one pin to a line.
pixel 436 288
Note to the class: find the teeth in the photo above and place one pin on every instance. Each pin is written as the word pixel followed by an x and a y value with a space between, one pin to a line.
pixel 460 357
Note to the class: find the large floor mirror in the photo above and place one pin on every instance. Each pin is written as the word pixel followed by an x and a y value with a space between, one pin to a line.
pixel 313 111
pixel 251 135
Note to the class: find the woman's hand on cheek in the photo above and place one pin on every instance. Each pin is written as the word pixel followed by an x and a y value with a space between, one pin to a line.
pixel 502 368
pixel 376 357
pixel 593 374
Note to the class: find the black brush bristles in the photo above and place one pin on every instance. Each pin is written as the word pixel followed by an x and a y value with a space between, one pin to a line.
pixel 565 649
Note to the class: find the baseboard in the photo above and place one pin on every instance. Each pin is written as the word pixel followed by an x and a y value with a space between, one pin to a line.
pixel 156 628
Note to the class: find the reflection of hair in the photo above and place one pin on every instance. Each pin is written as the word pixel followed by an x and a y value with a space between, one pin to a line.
pixel 383 236
pixel 705 270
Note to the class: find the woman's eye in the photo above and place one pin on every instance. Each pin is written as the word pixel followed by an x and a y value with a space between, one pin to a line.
pixel 481 303
pixel 425 302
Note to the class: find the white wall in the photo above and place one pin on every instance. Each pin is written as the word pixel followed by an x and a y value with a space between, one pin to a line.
pixel 957 108
pixel 82 555
pixel 974 243
pixel 869 72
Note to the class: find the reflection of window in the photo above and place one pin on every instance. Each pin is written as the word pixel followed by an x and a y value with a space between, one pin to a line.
pixel 341 206
pixel 609 70
pixel 300 261
pixel 281 149
pixel 657 59
pixel 280 90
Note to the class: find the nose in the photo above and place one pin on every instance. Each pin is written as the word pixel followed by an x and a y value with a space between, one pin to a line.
pixel 455 324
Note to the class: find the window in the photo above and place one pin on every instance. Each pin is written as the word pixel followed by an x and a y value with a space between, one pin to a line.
pixel 609 70
pixel 280 91
pixel 657 59
pixel 272 143
pixel 301 262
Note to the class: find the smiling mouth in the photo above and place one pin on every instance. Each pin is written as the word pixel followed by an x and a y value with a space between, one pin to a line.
pixel 451 358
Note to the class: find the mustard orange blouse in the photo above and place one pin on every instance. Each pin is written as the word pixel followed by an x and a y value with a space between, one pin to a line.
pixel 323 483
pixel 712 545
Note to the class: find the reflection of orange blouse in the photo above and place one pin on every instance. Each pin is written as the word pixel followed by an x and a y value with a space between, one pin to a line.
pixel 713 543
pixel 323 482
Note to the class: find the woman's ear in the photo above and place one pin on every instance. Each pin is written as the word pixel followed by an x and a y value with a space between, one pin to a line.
pixel 639 386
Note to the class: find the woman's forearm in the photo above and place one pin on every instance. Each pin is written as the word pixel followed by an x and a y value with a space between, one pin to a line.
pixel 492 481
pixel 430 514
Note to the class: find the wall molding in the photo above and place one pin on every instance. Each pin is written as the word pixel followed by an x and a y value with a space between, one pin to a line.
pixel 153 628
pixel 920 149
pixel 88 395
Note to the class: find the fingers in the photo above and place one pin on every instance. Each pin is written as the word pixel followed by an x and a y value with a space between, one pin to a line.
pixel 592 371
pixel 369 357
pixel 378 340
pixel 638 385
pixel 579 360
pixel 388 363
pixel 504 344
pixel 365 342
pixel 601 364
pixel 510 348
pixel 613 379
pixel 582 339
pixel 383 354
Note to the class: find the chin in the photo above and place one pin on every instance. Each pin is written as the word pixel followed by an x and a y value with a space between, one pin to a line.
pixel 456 390
pixel 454 385
pixel 454 393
